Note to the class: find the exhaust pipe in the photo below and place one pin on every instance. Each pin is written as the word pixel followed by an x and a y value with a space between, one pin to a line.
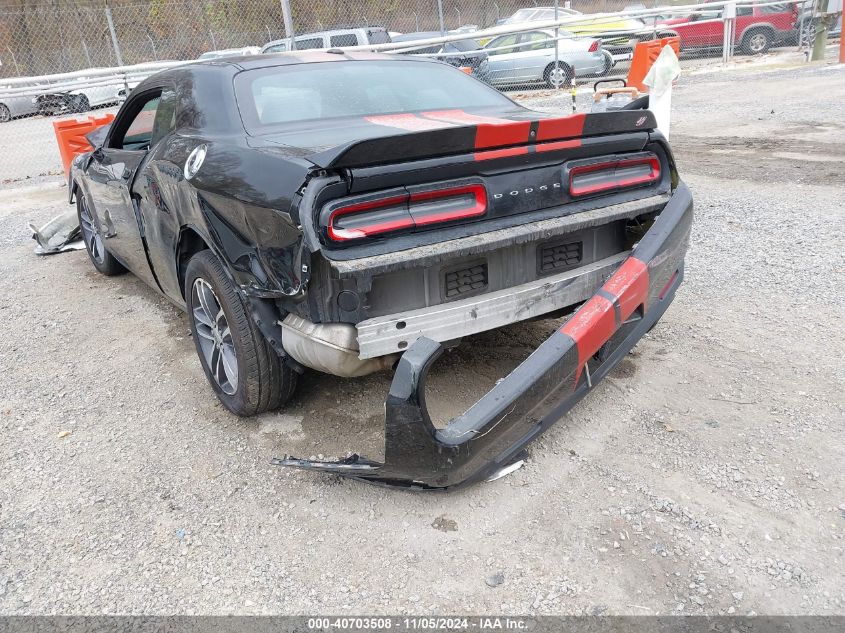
pixel 331 348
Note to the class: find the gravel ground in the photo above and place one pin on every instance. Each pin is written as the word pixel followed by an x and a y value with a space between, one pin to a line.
pixel 703 476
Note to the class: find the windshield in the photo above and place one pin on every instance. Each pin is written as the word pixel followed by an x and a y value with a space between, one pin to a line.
pixel 520 16
pixel 333 90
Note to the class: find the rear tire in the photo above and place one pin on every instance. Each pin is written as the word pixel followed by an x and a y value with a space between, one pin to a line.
pixel 757 42
pixel 243 370
pixel 94 242
pixel 5 115
pixel 560 77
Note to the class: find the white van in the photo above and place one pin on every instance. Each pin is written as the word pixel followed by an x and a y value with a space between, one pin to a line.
pixel 338 38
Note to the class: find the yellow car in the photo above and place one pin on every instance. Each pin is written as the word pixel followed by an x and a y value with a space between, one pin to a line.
pixel 618 34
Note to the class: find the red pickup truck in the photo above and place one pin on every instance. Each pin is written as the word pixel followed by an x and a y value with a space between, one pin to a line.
pixel 757 27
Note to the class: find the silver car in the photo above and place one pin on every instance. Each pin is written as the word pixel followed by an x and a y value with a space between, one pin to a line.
pixel 527 57
pixel 13 106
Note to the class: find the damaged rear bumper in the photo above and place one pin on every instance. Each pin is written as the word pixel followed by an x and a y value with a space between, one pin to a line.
pixel 492 434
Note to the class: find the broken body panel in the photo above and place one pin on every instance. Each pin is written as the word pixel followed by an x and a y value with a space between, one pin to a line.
pixel 409 230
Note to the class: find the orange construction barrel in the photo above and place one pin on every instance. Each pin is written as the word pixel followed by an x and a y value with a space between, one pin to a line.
pixel 644 55
pixel 70 135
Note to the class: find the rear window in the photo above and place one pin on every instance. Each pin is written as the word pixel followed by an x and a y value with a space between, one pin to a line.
pixel 276 48
pixel 347 39
pixel 523 15
pixel 288 94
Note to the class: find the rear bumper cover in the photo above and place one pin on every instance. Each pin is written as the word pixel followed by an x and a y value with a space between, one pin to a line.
pixel 492 433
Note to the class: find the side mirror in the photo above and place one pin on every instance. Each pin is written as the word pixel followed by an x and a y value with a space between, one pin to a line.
pixel 97 137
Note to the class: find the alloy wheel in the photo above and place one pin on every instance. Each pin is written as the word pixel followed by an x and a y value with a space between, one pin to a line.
pixel 757 42
pixel 214 336
pixel 558 76
pixel 5 115
pixel 91 233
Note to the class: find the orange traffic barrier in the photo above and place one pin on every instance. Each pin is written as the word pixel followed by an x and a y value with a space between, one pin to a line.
pixel 644 55
pixel 70 135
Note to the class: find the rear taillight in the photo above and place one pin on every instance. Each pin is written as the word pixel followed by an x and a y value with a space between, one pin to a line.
pixel 594 46
pixel 406 211
pixel 615 174
pixel 448 205
pixel 366 219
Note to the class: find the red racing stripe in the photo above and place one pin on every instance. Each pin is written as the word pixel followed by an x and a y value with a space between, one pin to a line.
pixel 490 131
pixel 594 324
pixel 409 122
pixel 550 147
pixel 459 116
pixel 501 134
pixel 491 154
pixel 629 284
pixel 590 328
pixel 564 127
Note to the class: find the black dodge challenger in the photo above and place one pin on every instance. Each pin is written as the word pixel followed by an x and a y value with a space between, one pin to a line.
pixel 355 212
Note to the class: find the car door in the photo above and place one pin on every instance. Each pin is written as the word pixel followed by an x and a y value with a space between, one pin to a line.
pixel 532 55
pixel 704 29
pixel 157 192
pixel 745 17
pixel 500 51
pixel 110 176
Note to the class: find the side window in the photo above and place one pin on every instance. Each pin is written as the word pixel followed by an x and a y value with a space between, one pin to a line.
pixel 313 42
pixel 165 117
pixel 506 41
pixel 534 41
pixel 742 11
pixel 346 39
pixel 139 133
pixel 772 8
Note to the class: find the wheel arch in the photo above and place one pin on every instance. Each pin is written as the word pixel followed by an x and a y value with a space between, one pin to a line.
pixel 189 243
pixel 758 26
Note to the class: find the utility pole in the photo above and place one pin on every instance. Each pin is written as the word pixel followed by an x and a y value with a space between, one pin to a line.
pixel 442 21
pixel 557 35
pixel 821 33
pixel 116 46
pixel 288 20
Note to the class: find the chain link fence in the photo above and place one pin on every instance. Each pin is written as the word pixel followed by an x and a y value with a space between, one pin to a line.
pixel 63 36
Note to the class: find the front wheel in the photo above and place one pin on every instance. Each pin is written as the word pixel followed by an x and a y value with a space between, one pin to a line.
pixel 560 76
pixel 5 115
pixel 92 235
pixel 243 370
pixel 757 42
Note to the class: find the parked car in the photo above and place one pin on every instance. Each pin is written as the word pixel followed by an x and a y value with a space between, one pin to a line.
pixel 338 38
pixel 758 28
pixel 618 35
pixel 461 53
pixel 355 212
pixel 102 91
pixel 12 106
pixel 231 52
pixel 527 57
